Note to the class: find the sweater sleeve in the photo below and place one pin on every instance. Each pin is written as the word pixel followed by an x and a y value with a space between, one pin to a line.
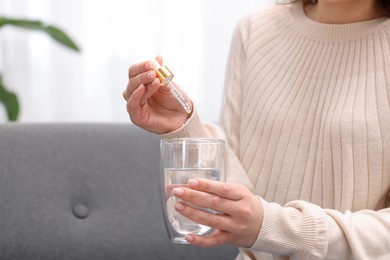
pixel 303 230
pixel 230 116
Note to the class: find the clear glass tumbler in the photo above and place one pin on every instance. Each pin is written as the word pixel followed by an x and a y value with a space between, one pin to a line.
pixel 183 159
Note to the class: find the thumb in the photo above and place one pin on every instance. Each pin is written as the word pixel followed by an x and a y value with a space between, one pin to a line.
pixel 159 58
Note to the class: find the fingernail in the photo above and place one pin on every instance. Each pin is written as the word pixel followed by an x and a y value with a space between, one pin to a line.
pixel 188 238
pixel 151 74
pixel 178 191
pixel 179 206
pixel 155 82
pixel 193 182
pixel 148 66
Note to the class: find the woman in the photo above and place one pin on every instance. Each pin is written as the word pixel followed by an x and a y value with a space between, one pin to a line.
pixel 306 113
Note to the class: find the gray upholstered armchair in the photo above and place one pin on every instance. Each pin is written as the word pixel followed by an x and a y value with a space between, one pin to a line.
pixel 84 191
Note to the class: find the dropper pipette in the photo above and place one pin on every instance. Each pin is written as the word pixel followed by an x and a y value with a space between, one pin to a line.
pixel 165 76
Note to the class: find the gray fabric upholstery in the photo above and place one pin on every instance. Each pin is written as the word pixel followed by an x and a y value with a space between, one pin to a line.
pixel 84 191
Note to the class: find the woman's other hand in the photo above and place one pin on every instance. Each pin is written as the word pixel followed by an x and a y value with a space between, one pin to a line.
pixel 241 212
pixel 151 106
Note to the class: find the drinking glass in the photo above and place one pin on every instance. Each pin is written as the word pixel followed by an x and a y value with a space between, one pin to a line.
pixel 183 159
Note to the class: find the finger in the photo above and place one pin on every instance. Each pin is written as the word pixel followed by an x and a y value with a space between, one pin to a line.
pixel 150 89
pixel 205 200
pixel 218 238
pixel 226 190
pixel 145 78
pixel 201 216
pixel 133 104
pixel 139 68
pixel 139 73
pixel 127 93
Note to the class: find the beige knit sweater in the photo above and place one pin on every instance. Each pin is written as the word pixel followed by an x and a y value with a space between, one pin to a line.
pixel 306 113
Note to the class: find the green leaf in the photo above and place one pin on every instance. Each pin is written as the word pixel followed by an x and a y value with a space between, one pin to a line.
pixel 61 37
pixel 54 32
pixel 10 102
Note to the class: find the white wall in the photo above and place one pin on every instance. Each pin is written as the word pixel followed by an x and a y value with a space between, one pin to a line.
pixel 57 85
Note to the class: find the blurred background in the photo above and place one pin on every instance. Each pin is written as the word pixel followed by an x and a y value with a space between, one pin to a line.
pixel 56 84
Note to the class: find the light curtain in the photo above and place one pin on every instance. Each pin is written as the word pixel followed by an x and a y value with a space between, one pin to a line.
pixel 55 84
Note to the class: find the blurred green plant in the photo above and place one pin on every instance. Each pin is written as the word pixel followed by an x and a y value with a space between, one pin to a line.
pixel 7 97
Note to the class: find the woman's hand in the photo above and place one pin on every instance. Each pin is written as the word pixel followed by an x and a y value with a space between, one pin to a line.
pixel 151 106
pixel 241 212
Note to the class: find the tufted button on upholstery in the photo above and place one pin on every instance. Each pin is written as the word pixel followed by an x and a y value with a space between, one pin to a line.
pixel 80 211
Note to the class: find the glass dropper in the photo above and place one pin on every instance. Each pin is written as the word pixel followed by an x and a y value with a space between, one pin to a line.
pixel 165 76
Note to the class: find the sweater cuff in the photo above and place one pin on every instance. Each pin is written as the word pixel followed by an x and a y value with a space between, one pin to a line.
pixel 298 230
pixel 192 128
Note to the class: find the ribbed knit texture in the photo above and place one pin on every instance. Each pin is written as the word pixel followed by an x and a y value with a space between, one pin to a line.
pixel 307 112
pixel 315 109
